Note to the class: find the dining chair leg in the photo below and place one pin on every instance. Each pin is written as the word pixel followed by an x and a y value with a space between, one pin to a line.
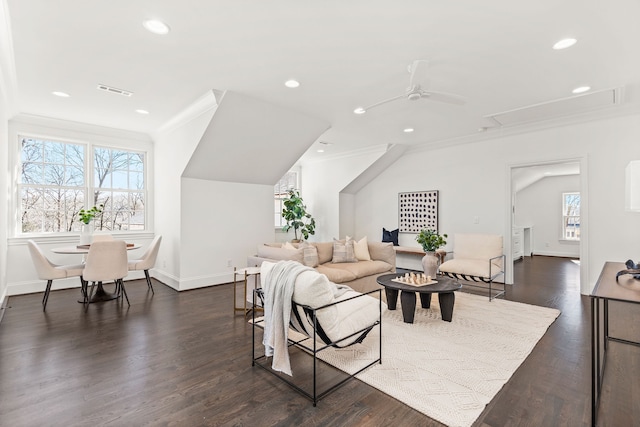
pixel 124 291
pixel 146 274
pixel 45 298
pixel 93 285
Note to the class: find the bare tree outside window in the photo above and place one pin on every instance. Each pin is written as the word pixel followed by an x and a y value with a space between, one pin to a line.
pixel 54 184
pixel 571 216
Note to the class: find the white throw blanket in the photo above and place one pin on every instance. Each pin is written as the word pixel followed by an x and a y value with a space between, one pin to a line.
pixel 278 289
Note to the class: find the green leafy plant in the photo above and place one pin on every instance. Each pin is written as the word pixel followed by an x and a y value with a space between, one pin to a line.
pixel 297 217
pixel 431 240
pixel 87 215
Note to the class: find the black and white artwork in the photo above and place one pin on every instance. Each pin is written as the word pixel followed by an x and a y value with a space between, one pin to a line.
pixel 418 210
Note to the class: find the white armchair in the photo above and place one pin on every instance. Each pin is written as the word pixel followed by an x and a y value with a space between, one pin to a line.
pixel 477 258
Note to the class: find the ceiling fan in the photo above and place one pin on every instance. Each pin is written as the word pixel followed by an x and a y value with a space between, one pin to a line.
pixel 416 90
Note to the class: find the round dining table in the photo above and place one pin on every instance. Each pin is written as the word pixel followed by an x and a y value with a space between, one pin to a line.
pixel 100 294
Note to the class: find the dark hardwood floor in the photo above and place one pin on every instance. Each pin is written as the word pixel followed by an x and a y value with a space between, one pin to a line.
pixel 183 359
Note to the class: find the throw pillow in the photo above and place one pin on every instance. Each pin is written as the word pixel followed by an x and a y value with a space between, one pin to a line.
pixel 361 249
pixel 390 236
pixel 270 252
pixel 309 254
pixel 287 245
pixel 343 251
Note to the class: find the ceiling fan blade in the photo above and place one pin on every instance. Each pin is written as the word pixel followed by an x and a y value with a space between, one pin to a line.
pixel 419 73
pixel 443 97
pixel 384 102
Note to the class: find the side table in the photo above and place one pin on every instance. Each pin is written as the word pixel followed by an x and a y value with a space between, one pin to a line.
pixel 626 290
pixel 245 273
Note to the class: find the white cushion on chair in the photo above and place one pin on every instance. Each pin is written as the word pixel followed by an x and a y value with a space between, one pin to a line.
pixel 338 321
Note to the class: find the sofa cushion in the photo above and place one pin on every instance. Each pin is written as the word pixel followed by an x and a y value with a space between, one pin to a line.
pixel 361 248
pixel 325 251
pixel 336 275
pixel 289 245
pixel 309 254
pixel 343 251
pixel 477 246
pixel 390 236
pixel 361 268
pixel 280 253
pixel 470 267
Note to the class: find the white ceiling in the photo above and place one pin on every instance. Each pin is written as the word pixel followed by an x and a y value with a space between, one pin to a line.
pixel 495 53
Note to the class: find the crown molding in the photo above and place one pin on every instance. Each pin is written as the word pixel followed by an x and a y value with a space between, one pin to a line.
pixel 504 131
pixel 206 102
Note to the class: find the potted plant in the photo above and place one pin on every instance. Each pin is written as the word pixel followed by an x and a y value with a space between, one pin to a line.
pixel 297 217
pixel 86 216
pixel 430 241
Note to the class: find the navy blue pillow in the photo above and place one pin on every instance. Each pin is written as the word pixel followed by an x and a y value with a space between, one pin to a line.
pixel 390 236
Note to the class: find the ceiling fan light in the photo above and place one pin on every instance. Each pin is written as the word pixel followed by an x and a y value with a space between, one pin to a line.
pixel 156 27
pixel 292 83
pixel 359 110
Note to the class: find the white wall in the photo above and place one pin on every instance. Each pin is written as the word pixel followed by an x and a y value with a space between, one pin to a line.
pixel 222 223
pixel 473 180
pixel 540 205
pixel 173 149
pixel 4 195
pixel 322 183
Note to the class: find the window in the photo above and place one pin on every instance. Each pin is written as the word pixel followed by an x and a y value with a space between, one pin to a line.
pixel 57 180
pixel 281 191
pixel 571 216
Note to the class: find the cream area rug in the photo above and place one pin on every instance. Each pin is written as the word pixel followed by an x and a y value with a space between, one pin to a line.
pixel 448 371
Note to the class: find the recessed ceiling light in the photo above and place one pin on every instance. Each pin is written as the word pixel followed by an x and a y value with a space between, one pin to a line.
pixel 581 89
pixel 156 27
pixel 142 111
pixel 564 43
pixel 292 83
pixel 60 94
pixel 359 110
pixel 320 150
pixel 408 130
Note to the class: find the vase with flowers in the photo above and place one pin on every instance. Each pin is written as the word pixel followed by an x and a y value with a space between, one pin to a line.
pixel 86 218
pixel 430 241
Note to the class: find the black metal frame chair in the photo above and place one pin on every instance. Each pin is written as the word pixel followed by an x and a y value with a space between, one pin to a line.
pixel 314 349
pixel 488 280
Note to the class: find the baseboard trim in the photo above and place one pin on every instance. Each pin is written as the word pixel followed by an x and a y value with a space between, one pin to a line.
pixel 557 254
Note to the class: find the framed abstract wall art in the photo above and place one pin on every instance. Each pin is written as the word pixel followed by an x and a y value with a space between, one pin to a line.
pixel 418 210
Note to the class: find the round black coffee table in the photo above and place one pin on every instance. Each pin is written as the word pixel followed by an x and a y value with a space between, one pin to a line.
pixel 445 289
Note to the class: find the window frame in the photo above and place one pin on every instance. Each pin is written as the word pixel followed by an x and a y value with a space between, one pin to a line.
pixel 104 138
pixel 565 217
pixel 281 199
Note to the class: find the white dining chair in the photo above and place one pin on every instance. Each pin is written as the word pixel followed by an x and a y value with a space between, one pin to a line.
pixel 106 260
pixel 49 271
pixel 147 261
pixel 101 237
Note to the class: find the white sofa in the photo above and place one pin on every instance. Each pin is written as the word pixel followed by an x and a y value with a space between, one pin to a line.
pixel 477 258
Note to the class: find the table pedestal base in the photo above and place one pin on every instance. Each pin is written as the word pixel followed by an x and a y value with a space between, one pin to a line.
pixel 100 295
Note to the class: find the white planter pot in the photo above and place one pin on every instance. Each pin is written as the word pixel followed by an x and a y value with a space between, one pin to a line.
pixel 430 264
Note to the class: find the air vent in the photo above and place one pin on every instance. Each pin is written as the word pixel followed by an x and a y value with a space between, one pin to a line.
pixel 114 90
pixel 559 108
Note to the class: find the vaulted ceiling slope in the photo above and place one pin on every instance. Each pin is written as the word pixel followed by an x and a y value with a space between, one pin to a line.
pixel 251 141
pixel 497 54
